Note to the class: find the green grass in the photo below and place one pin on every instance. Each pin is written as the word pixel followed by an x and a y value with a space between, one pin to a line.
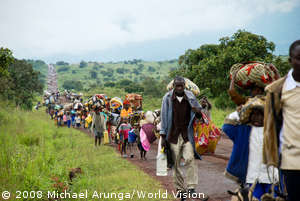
pixel 219 115
pixel 34 153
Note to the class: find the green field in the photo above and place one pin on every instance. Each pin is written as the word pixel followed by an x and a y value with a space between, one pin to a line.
pixel 37 156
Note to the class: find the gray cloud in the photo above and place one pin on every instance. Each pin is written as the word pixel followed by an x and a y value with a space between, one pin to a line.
pixel 75 27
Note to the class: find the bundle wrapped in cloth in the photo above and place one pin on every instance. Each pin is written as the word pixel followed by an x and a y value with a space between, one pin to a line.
pixel 116 102
pixel 257 102
pixel 135 100
pixel 68 106
pixel 254 73
pixel 189 85
pixel 97 101
pixel 206 136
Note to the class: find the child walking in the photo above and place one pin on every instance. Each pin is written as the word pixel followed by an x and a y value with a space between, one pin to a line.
pixel 124 129
pixel 132 138
pixel 78 120
pixel 246 129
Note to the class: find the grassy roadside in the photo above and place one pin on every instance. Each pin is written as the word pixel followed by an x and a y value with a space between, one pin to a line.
pixel 35 155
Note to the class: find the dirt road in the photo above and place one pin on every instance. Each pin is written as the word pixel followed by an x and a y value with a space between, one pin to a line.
pixel 212 181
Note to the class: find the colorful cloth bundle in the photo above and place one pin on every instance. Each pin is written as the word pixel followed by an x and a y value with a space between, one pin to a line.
pixel 206 136
pixel 135 100
pixel 98 100
pixel 136 117
pixel 116 103
pixel 189 85
pixel 254 73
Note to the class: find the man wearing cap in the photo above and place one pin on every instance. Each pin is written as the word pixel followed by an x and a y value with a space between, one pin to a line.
pixel 179 107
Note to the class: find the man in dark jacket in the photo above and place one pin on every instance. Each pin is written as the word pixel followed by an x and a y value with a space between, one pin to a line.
pixel 179 107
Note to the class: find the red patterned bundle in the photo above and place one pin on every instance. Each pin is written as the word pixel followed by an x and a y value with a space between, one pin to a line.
pixel 254 73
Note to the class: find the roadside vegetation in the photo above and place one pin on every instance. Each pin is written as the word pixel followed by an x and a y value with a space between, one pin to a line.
pixel 35 155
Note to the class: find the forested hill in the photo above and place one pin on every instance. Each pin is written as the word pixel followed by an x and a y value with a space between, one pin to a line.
pixel 91 74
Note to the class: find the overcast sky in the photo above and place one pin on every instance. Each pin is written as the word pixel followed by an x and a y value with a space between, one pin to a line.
pixel 115 30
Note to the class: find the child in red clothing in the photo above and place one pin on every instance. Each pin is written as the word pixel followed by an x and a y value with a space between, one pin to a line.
pixel 124 129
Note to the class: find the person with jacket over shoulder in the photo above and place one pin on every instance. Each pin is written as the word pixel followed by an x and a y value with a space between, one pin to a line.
pixel 179 108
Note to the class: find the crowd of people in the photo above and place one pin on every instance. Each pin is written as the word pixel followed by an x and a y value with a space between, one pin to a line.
pixel 264 130
pixel 118 122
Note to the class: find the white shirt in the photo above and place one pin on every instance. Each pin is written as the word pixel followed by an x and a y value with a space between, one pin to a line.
pixel 179 98
pixel 289 84
pixel 256 168
pixel 77 119
pixel 234 116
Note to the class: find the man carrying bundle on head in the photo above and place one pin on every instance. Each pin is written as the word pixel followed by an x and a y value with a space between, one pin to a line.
pixel 179 107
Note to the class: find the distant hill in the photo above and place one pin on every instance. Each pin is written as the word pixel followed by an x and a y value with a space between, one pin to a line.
pixel 96 73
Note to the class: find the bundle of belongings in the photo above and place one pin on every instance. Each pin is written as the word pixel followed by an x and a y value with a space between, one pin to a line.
pixel 253 73
pixel 77 105
pixel 136 117
pixel 257 102
pixel 189 85
pixel 116 103
pixel 97 101
pixel 206 135
pixel 135 101
pixel 68 106
pixel 148 130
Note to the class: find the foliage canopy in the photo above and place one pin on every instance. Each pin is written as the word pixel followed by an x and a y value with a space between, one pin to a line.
pixel 209 65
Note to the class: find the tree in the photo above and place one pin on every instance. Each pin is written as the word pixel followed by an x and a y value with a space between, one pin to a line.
pixel 209 65
pixel 62 63
pixel 120 70
pixel 6 59
pixel 136 71
pixel 109 84
pixel 124 82
pixel 140 67
pixel 73 84
pixel 151 69
pixel 95 67
pixel 24 83
pixel 134 88
pixel 82 64
pixel 63 69
pixel 152 87
pixel 93 74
